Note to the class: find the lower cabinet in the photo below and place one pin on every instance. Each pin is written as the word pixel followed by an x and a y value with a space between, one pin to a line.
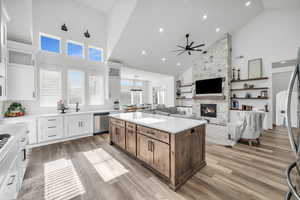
pixel 154 153
pixel 118 135
pixel 50 128
pixel 131 138
pixel 61 127
pixel 76 125
pixel 144 152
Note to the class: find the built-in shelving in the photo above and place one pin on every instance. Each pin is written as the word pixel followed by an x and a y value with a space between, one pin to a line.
pixel 250 79
pixel 210 97
pixel 245 89
pixel 184 106
pixel 234 109
pixel 186 85
pixel 262 98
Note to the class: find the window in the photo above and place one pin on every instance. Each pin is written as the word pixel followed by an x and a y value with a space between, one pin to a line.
pixel 49 43
pixel 75 49
pixel 95 54
pixel 159 95
pixel 76 92
pixel 50 87
pixel 136 97
pixel 96 89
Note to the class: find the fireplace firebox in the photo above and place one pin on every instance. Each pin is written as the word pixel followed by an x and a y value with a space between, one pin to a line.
pixel 209 110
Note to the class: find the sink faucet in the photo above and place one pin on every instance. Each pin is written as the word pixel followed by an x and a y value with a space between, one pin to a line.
pixel 77 107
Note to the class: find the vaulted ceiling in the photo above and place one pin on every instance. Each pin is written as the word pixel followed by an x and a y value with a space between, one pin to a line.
pixel 177 17
pixel 100 5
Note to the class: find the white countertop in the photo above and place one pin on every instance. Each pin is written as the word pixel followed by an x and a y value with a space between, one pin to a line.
pixel 6 120
pixel 160 122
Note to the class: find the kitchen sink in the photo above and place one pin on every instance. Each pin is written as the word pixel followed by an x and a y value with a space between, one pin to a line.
pixel 3 139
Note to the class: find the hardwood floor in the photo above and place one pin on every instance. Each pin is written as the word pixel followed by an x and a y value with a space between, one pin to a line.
pixel 77 169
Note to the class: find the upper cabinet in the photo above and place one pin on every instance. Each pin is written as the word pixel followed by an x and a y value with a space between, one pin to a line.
pixel 3 49
pixel 21 71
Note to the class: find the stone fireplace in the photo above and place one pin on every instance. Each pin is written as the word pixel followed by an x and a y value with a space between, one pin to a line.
pixel 208 110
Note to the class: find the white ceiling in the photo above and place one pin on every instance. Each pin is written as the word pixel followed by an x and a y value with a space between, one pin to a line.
pixel 100 5
pixel 130 73
pixel 281 3
pixel 177 17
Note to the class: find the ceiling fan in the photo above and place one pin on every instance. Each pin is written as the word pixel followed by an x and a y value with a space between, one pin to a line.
pixel 189 47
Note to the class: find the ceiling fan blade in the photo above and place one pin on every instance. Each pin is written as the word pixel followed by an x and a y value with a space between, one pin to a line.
pixel 200 45
pixel 204 52
pixel 180 53
pixel 189 53
pixel 180 46
pixel 191 44
pixel 178 50
pixel 187 39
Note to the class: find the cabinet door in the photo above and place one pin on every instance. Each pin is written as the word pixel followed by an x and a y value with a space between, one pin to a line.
pixel 144 151
pixel 161 157
pixel 21 83
pixel 120 133
pixel 198 139
pixel 113 134
pixel 131 141
pixel 73 127
pixel 85 122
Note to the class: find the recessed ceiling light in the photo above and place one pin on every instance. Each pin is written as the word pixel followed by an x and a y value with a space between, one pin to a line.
pixel 218 30
pixel 204 17
pixel 163 59
pixel 178 64
pixel 144 52
pixel 248 3
pixel 161 30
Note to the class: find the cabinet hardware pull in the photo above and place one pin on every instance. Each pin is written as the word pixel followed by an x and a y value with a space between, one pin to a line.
pixel 149 145
pixel 51 135
pixel 50 120
pixel 152 146
pixel 192 130
pixel 33 94
pixel 24 154
pixel 51 126
pixel 12 180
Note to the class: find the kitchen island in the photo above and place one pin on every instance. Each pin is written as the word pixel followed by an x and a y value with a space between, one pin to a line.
pixel 173 148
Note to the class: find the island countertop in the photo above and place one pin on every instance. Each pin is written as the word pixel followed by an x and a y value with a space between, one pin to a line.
pixel 159 122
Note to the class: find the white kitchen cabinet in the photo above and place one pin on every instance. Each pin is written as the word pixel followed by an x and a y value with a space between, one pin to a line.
pixel 21 72
pixel 50 128
pixel 10 188
pixel 78 124
pixel 4 19
pixel 21 83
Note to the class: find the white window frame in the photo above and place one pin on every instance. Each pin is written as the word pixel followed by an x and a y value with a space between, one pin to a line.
pixel 141 97
pixel 50 36
pixel 84 85
pixel 89 73
pixel 61 82
pixel 77 43
pixel 97 48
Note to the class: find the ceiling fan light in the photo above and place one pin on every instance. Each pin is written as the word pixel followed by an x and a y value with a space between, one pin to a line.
pixel 204 17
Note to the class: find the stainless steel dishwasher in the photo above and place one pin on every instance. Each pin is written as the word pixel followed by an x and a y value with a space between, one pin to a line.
pixel 101 123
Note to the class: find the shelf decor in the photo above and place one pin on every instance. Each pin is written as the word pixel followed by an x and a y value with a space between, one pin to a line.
pixel 255 68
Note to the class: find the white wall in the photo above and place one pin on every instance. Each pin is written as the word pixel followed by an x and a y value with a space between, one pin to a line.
pixel 273 36
pixel 48 17
pixel 19 28
pixel 169 84
pixel 118 19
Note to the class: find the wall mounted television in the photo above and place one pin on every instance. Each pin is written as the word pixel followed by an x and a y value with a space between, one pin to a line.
pixel 209 87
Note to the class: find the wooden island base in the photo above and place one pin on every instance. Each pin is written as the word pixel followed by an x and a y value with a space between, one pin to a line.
pixel 174 157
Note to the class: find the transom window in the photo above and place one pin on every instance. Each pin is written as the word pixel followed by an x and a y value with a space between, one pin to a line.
pixel 49 43
pixel 75 49
pixel 95 54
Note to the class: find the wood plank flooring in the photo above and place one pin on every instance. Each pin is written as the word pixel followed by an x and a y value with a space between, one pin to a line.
pixel 238 173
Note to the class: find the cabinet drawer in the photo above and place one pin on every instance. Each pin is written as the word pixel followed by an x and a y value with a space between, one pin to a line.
pixel 159 135
pixel 130 126
pixel 117 122
pixel 50 122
